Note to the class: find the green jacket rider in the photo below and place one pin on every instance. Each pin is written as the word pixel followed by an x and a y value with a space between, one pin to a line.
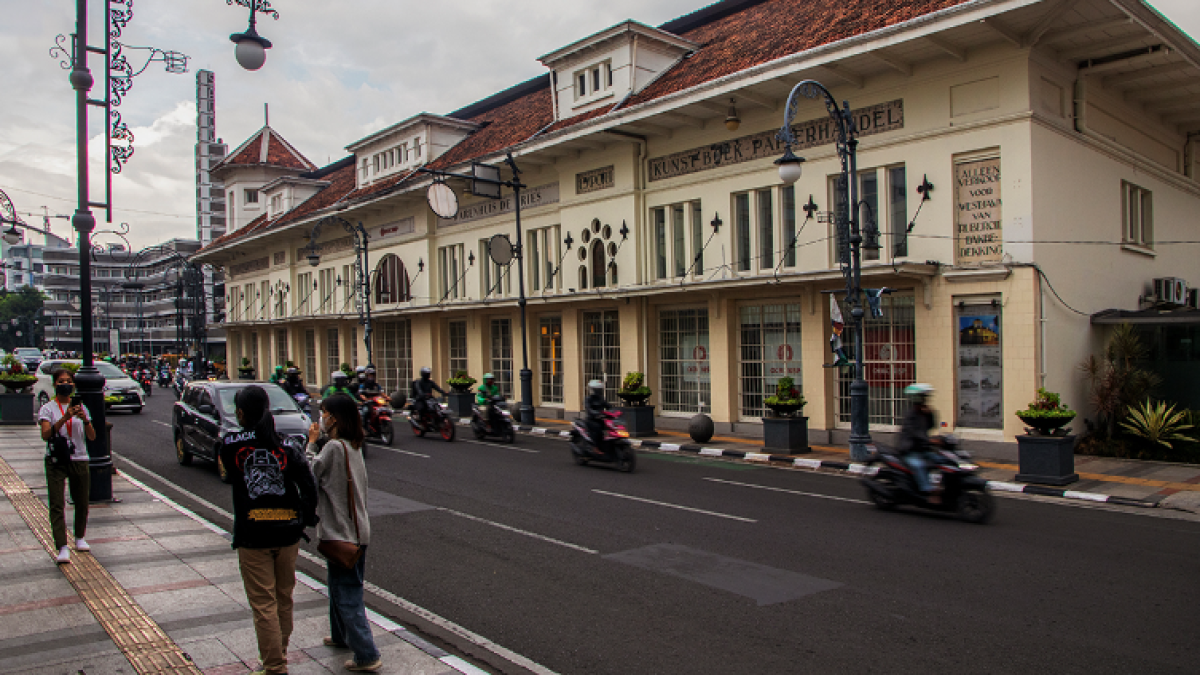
pixel 340 385
pixel 487 390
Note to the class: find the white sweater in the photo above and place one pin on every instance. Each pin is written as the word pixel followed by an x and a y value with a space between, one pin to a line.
pixel 329 468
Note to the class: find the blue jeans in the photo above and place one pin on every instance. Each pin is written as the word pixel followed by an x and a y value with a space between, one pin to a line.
pixel 917 462
pixel 347 613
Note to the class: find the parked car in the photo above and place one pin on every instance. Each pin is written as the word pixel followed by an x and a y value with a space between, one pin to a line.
pixel 205 414
pixel 30 356
pixel 116 383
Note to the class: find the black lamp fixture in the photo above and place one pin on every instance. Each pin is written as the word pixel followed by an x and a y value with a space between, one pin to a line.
pixel 790 166
pixel 732 121
pixel 251 48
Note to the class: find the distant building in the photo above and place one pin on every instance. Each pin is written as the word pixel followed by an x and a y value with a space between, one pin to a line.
pixel 210 197
pixel 23 263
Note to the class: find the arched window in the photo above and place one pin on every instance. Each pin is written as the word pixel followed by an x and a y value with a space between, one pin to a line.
pixel 599 265
pixel 391 281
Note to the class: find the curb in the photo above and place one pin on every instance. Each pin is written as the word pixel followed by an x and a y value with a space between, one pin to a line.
pixel 855 469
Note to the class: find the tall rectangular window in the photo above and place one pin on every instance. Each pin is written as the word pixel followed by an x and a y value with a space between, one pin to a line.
pixel 787 207
pixel 304 290
pixel 678 241
pixel 660 243
pixel 769 350
pixel 602 350
pixel 495 280
pixel 889 360
pixel 550 360
pixel 697 239
pixel 264 291
pixel 502 355
pixel 333 360
pixel 394 345
pixel 281 347
pixel 683 360
pixel 311 376
pixel 869 216
pixel 581 85
pixel 535 271
pixel 458 346
pixel 741 219
pixel 898 207
pixel 766 230
pixel 1138 215
pixel 248 302
pixel 450 261
pixel 254 354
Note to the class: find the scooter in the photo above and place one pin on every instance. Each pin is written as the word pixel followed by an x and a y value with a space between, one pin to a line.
pixel 164 378
pixel 482 421
pixel 302 400
pixel 146 380
pixel 439 419
pixel 959 487
pixel 615 447
pixel 379 420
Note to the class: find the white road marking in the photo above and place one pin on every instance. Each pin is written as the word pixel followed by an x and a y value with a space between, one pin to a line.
pixel 162 423
pixel 381 593
pixel 675 506
pixel 517 530
pixel 501 445
pixel 403 452
pixel 793 492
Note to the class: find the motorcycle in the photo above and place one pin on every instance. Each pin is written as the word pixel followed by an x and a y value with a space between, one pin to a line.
pixel 180 384
pixel 439 419
pixel 302 400
pixel 483 426
pixel 615 447
pixel 146 380
pixel 164 378
pixel 962 490
pixel 379 420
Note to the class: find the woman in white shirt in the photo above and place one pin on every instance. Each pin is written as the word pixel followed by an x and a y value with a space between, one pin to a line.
pixel 60 417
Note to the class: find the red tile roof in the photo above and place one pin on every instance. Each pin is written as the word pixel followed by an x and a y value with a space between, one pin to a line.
pixel 777 28
pixel 267 147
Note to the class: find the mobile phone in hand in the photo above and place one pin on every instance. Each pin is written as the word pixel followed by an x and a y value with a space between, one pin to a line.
pixel 76 400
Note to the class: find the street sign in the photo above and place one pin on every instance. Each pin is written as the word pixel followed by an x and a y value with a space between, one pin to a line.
pixel 500 249
pixel 486 182
pixel 442 200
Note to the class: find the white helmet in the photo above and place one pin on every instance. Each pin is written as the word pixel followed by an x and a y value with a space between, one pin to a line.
pixel 595 386
pixel 918 391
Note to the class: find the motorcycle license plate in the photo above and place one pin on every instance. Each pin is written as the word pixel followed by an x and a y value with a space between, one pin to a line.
pixel 935 478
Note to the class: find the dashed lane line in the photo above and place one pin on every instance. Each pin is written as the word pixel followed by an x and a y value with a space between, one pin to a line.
pixel 794 492
pixel 675 506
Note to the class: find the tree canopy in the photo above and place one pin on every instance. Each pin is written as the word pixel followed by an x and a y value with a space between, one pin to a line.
pixel 22 305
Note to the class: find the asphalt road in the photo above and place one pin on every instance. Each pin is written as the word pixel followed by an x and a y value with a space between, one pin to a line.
pixel 703 566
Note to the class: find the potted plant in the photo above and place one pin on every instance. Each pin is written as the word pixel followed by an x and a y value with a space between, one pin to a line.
pixel 16 406
pixel 245 371
pixel 786 429
pixel 461 398
pixel 633 389
pixel 637 417
pixel 1046 452
pixel 461 382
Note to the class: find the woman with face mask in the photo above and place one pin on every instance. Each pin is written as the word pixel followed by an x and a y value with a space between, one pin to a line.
pixel 70 422
pixel 342 481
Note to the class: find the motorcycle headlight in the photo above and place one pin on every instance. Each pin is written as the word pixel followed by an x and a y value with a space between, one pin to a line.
pixel 968 467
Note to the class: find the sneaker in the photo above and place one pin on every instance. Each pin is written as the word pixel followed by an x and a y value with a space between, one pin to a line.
pixel 64 555
pixel 82 545
pixel 330 642
pixel 371 667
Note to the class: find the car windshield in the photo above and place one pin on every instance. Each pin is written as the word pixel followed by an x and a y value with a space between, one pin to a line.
pixel 110 372
pixel 27 351
pixel 281 403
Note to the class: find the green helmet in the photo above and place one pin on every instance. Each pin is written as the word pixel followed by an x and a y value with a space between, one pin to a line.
pixel 488 376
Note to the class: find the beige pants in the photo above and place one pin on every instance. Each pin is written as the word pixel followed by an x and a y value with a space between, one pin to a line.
pixel 269 576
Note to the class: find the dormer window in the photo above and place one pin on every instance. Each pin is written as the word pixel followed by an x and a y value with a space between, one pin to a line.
pixel 276 203
pixel 416 148
pixel 593 82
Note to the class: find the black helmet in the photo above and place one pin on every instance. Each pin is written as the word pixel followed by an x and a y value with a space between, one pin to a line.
pixel 370 370
pixel 426 372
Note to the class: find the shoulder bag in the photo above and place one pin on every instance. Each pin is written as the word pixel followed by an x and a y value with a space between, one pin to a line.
pixel 58 448
pixel 344 553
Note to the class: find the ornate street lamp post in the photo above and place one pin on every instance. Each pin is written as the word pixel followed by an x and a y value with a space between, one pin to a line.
pixel 849 236
pixel 362 292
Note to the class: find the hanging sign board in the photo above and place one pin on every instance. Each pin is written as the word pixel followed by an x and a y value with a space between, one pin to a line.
pixel 979 231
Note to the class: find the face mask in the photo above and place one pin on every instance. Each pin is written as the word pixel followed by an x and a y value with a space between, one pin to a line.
pixel 64 389
pixel 324 424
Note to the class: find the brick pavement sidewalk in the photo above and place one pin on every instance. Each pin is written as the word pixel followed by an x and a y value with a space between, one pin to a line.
pixel 159 593
pixel 1170 485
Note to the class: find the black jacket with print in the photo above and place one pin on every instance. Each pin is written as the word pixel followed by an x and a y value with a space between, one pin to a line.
pixel 274 494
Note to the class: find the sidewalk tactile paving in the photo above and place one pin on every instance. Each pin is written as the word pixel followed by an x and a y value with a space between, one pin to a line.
pixel 149 649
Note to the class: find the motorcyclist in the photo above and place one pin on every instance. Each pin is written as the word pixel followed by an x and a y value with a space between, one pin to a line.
pixel 422 391
pixel 486 392
pixel 914 442
pixel 340 384
pixel 594 406
pixel 277 375
pixel 292 383
pixel 368 389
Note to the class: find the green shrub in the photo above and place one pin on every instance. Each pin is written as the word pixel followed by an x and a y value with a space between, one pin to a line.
pixel 1159 423
pixel 786 393
pixel 634 384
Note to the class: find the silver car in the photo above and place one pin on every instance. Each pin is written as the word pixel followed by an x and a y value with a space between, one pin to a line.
pixel 125 391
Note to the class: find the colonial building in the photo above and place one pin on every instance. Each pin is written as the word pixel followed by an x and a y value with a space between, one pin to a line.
pixel 1052 142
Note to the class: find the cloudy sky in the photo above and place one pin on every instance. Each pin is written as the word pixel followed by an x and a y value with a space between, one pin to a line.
pixel 334 76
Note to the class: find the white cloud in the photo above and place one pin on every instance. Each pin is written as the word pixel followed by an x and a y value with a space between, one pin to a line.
pixel 337 72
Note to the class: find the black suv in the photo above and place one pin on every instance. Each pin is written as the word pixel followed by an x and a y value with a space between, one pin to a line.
pixel 205 413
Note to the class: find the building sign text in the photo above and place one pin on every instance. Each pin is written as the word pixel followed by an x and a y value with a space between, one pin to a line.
pixel 596 179
pixel 979 230
pixel 531 198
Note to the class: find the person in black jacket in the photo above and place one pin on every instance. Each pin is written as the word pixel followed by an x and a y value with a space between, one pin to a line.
pixel 594 405
pixel 274 499
pixel 914 435
pixel 422 392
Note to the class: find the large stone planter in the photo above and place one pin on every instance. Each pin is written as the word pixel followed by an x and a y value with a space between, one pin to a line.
pixel 789 434
pixel 245 373
pixel 1047 460
pixel 461 403
pixel 638 420
pixel 16 409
